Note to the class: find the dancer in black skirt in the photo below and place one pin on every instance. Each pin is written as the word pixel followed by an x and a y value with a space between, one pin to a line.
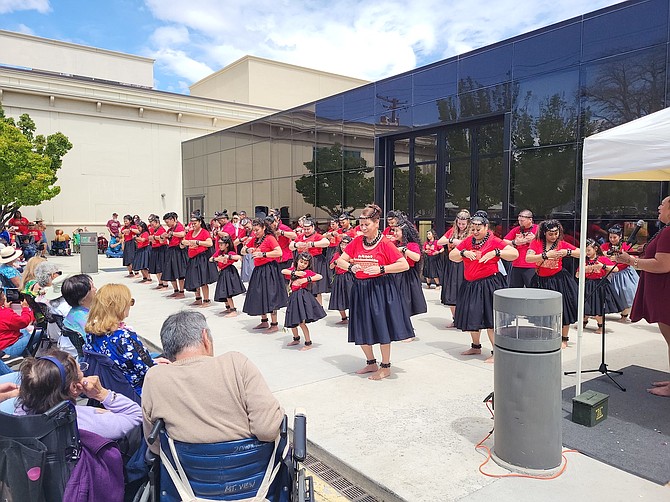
pixel 547 252
pixel 267 290
pixel 314 243
pixel 452 272
pixel 333 235
pixel 302 307
pixel 597 266
pixel 409 282
pixel 340 290
pixel 229 283
pixel 129 231
pixel 480 255
pixel 247 260
pixel 434 254
pixel 284 236
pixel 200 272
pixel 141 260
pixel 174 266
pixel 157 250
pixel 377 315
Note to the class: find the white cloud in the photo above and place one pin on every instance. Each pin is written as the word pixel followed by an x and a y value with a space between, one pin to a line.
pixel 26 30
pixel 41 6
pixel 362 38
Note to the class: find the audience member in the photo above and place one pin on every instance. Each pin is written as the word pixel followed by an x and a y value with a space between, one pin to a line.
pixel 78 291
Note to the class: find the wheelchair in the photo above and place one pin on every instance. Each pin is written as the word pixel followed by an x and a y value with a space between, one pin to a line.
pixel 60 248
pixel 27 244
pixel 232 470
pixel 110 375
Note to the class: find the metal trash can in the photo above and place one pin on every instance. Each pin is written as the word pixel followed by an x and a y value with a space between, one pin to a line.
pixel 88 249
pixel 527 380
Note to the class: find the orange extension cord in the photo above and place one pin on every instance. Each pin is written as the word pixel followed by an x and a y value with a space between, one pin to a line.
pixel 513 474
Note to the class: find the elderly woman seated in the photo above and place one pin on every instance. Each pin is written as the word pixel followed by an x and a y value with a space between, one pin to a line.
pixel 56 377
pixel 108 334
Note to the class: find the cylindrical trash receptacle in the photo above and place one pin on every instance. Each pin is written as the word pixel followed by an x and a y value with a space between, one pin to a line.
pixel 88 249
pixel 527 380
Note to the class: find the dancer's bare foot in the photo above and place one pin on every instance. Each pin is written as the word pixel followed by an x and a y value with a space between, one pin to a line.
pixel 308 346
pixel 451 325
pixel 489 359
pixel 564 345
pixel 661 390
pixel 272 329
pixel 369 368
pixel 262 325
pixel 380 373
pixel 295 341
pixel 599 331
pixel 196 303
pixel 472 352
pixel 343 321
pixel 230 313
pixel 408 340
pixel 661 384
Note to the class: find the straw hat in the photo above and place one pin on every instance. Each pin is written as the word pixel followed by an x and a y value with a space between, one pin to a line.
pixel 56 289
pixel 9 253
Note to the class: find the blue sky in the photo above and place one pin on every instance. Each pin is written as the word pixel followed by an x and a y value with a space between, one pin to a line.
pixel 369 39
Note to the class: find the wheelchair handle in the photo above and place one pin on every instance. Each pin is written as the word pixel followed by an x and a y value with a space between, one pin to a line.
pixel 155 431
pixel 300 435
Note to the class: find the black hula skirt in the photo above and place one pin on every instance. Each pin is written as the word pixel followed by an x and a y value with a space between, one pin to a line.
pixel 267 290
pixel 474 310
pixel 340 291
pixel 563 283
pixel 247 267
pixel 409 286
pixel 378 314
pixel 329 252
pixel 302 307
pixel 452 282
pixel 200 271
pixel 593 299
pixel 141 259
pixel 431 266
pixel 174 266
pixel 156 259
pixel 129 248
pixel 228 284
pixel 320 267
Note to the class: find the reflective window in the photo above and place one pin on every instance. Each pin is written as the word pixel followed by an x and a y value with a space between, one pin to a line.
pixel 494 99
pixel 330 108
pixel 458 142
pixel 432 112
pixel 543 180
pixel 391 95
pixel 436 82
pixel 547 51
pixel 359 103
pixel 401 189
pixel 358 189
pixel 490 187
pixel 546 110
pixel 281 159
pixel 485 68
pixel 213 168
pixel 627 200
pixel 635 26
pixel 261 160
pixel 490 138
pixel 457 190
pixel 622 89
pixel 424 190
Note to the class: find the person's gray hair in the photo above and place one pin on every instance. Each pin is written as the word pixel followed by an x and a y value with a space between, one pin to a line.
pixel 44 272
pixel 181 331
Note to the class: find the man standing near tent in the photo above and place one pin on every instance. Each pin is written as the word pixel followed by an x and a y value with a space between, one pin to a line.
pixel 651 299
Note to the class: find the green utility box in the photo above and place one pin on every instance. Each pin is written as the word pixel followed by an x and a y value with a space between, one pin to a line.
pixel 589 408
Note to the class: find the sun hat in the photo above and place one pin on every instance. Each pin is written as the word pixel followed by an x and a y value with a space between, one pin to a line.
pixel 56 289
pixel 9 253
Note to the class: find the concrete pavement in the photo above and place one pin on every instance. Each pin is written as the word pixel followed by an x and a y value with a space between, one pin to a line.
pixel 412 436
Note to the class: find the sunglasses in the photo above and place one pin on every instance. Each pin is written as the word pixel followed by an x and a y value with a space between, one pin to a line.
pixel 83 366
pixel 132 302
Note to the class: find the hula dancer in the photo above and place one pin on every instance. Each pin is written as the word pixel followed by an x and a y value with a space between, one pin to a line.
pixel 314 243
pixel 302 307
pixel 157 251
pixel 200 272
pixel 247 259
pixel 174 269
pixel 141 260
pixel 409 282
pixel 433 262
pixel 340 291
pixel 229 283
pixel 129 231
pixel 626 280
pixel 452 275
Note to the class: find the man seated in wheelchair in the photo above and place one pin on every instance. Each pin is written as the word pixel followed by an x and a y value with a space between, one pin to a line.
pixel 205 399
pixel 61 243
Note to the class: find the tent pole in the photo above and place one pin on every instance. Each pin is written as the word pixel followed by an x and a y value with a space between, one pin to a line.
pixel 582 280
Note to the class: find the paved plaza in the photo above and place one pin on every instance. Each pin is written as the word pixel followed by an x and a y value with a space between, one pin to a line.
pixel 412 436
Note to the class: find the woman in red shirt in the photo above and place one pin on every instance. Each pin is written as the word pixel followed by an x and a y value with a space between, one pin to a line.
pixel 340 291
pixel 626 280
pixel 333 235
pixel 200 272
pixel 378 315
pixel 314 243
pixel 302 307
pixel 141 259
pixel 174 266
pixel 433 259
pixel 480 255
pixel 267 290
pixel 158 245
pixel 409 283
pixel 129 231
pixel 547 252
pixel 597 266
pixel 229 283
pixel 452 275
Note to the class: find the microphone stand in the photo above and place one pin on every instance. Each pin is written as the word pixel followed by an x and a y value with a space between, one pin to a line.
pixel 603 365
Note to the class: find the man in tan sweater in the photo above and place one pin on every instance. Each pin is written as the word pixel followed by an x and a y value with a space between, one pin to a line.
pixel 206 399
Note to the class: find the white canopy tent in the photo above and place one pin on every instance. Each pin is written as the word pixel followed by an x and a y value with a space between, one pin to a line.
pixel 638 150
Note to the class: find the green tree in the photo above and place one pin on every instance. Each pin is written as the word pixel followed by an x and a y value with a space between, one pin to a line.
pixel 28 164
pixel 337 181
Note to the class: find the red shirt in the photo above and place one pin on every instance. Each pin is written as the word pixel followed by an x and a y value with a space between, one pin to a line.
pixel 387 232
pixel 229 228
pixel 286 253
pixel 600 271
pixel 431 248
pixel 227 264
pixel 156 232
pixel 624 247
pixel 338 270
pixel 521 262
pixel 269 244
pixel 37 235
pixel 21 223
pixel 384 253
pixel 412 246
pixel 351 232
pixel 315 237
pixel 472 269
pixel 144 243
pixel 547 268
pixel 174 241
pixel 202 235
pixel 113 226
pixel 128 234
pixel 294 286
pixel 11 323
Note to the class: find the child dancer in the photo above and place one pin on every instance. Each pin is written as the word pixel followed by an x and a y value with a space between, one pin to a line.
pixel 342 283
pixel 433 261
pixel 229 283
pixel 141 258
pixel 302 307
pixel 625 281
pixel 597 265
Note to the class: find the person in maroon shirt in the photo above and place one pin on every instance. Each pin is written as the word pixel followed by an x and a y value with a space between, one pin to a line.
pixel 520 237
pixel 547 252
pixel 409 283
pixel 651 299
pixel 200 272
pixel 378 315
pixel 114 225
pixel 626 280
pixel 174 266
pixel 314 243
pixel 480 255
pixel 266 292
